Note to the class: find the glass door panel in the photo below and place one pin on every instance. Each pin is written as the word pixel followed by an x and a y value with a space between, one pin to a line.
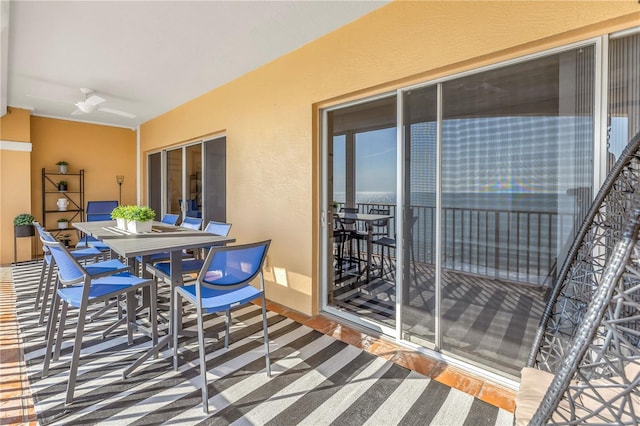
pixel 174 181
pixel 419 244
pixel 362 179
pixel 193 181
pixel 517 179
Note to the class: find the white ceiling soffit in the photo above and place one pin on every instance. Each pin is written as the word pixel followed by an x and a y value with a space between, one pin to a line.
pixel 145 58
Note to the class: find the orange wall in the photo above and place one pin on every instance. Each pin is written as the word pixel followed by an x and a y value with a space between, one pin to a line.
pixel 270 115
pixel 15 181
pixel 103 152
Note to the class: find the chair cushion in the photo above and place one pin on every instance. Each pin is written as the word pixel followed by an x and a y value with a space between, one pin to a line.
pixel 101 288
pixel 220 300
pixel 107 266
pixel 188 266
pixel 534 384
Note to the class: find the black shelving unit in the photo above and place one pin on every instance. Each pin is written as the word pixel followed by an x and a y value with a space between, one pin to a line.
pixel 50 195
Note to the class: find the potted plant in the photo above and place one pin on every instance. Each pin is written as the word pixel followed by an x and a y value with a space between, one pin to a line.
pixel 335 206
pixel 62 185
pixel 119 214
pixel 23 225
pixel 63 223
pixel 62 167
pixel 139 218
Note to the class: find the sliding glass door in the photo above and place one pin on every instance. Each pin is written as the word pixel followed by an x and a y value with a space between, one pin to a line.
pixel 497 170
pixel 190 180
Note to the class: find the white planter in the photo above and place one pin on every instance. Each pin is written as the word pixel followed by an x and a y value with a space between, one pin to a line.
pixel 138 227
pixel 62 169
pixel 62 204
pixel 121 223
pixel 63 225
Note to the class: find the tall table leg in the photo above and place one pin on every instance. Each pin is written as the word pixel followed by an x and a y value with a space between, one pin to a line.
pixel 176 279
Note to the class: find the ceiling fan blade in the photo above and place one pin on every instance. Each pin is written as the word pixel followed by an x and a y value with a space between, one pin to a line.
pixel 94 100
pixel 116 112
pixel 77 112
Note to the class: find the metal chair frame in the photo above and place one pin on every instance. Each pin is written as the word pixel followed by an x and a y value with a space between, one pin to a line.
pixel 589 335
pixel 78 288
pixel 229 287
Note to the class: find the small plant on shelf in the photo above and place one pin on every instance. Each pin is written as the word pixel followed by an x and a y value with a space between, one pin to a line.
pixel 62 185
pixel 23 225
pixel 62 167
pixel 63 223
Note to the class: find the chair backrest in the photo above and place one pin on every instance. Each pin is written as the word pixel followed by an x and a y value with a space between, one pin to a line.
pixel 347 221
pixel 586 260
pixel 227 267
pixel 218 228
pixel 378 224
pixel 599 377
pixel 100 210
pixel 591 318
pixel 69 270
pixel 46 235
pixel 170 219
pixel 191 222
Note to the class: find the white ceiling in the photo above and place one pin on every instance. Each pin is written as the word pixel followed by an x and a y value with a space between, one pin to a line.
pixel 148 57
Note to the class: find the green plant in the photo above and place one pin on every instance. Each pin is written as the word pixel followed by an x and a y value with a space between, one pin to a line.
pixel 139 213
pixel 63 220
pixel 62 183
pixel 23 219
pixel 119 212
pixel 62 163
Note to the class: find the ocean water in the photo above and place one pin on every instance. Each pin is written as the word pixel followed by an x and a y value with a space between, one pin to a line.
pixel 515 202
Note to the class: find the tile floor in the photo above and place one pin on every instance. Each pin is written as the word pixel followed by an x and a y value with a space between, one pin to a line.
pixel 16 405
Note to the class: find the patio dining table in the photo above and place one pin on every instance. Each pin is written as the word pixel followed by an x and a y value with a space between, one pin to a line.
pixel 369 219
pixel 162 238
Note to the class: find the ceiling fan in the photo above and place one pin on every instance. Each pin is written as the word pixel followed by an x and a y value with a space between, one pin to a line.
pixel 91 104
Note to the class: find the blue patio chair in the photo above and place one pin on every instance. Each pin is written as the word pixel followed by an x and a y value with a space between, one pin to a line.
pixel 191 222
pixel 188 222
pixel 189 266
pixel 223 283
pixel 48 264
pixel 78 288
pixel 170 219
pixel 97 211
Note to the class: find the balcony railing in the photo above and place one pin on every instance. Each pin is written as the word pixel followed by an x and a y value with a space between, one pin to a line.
pixel 518 246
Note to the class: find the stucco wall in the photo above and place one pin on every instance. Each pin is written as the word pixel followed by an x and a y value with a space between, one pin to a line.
pixel 270 115
pixel 15 184
pixel 102 151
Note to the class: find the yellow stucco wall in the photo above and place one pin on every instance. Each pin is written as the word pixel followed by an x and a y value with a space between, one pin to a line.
pixel 15 182
pixel 102 151
pixel 270 115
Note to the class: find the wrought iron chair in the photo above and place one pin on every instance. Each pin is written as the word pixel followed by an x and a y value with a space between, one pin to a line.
pixel 389 243
pixel 223 283
pixel 79 288
pixel 587 347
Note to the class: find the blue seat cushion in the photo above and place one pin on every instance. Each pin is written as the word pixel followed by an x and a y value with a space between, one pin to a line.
pixel 214 300
pixel 101 287
pixel 188 266
pixel 104 267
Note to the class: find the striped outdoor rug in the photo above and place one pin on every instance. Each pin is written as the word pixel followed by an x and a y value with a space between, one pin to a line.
pixel 316 380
